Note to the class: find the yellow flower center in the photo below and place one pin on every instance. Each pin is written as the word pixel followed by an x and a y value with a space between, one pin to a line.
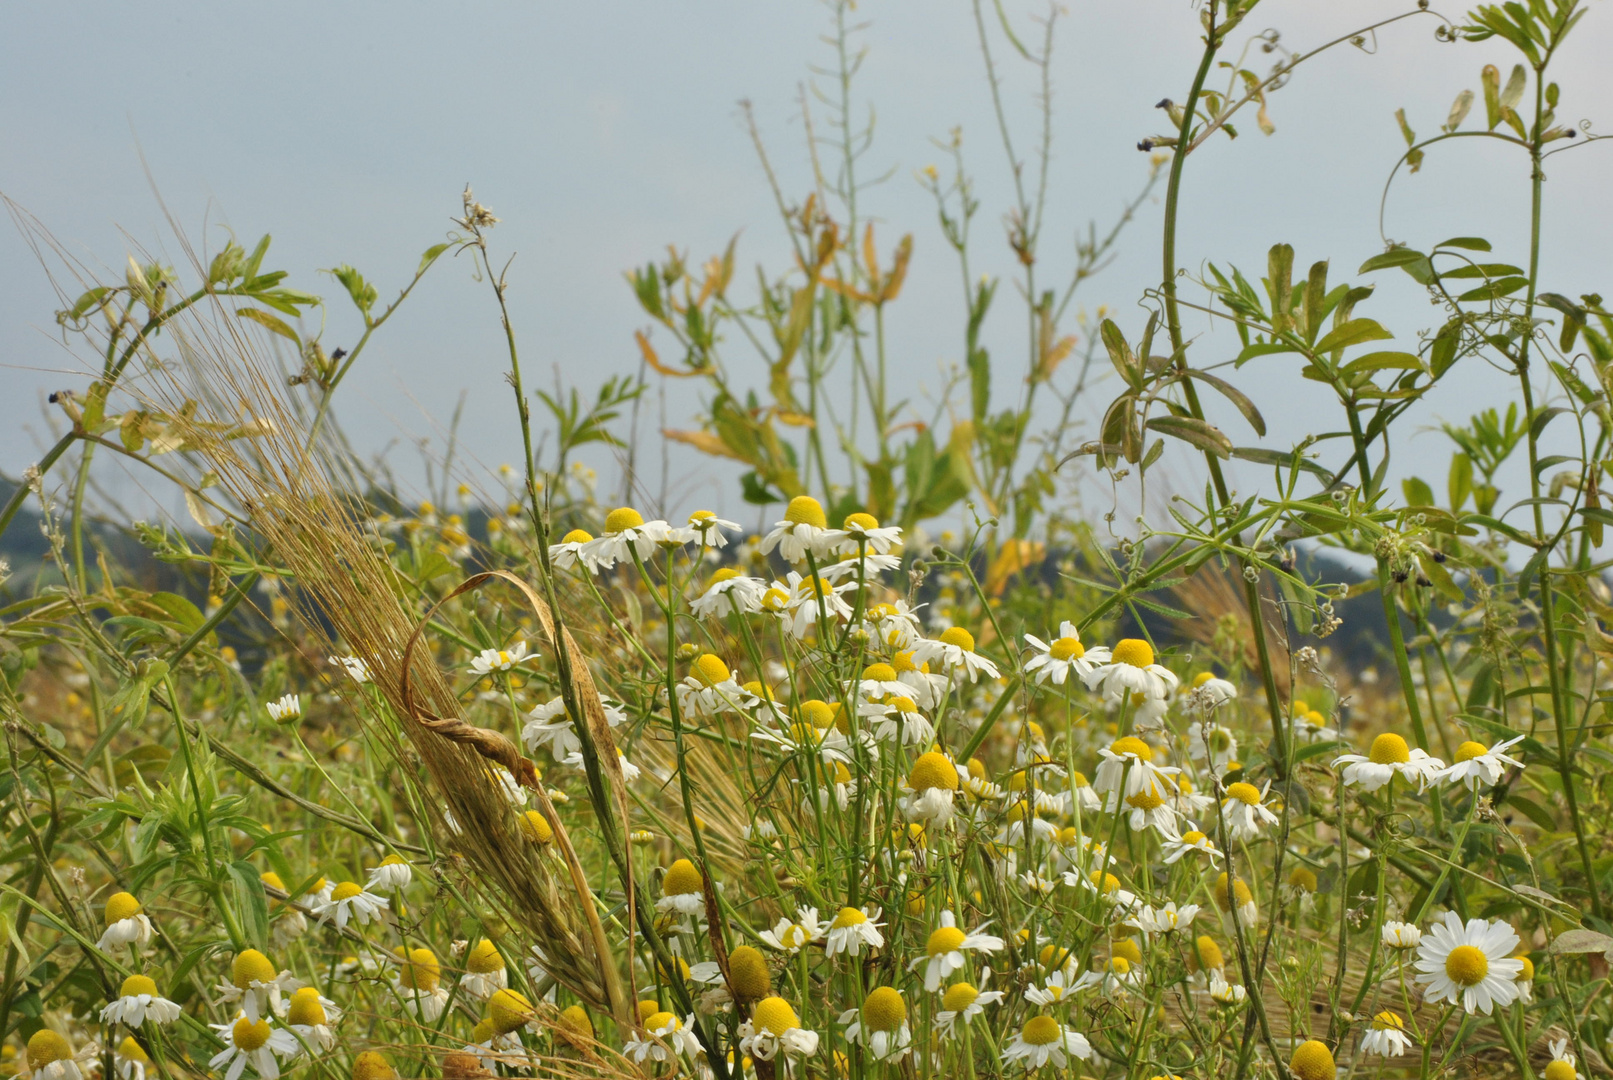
pixel 508 1010
pixel 130 1050
pixel 747 973
pixel 849 916
pixel 1312 1060
pixel 860 522
pixel 805 510
pixel 1206 954
pixel 884 1009
pixel 272 879
pixel 482 1031
pixel 647 1007
pixel 774 1016
pixel 251 966
pixel 1470 750
pixel 1067 648
pixel 373 1065
pixel 903 661
pixel 623 517
pixel 1127 950
pixel 1527 973
pixel 120 906
pixel 421 971
pixel 346 890
pixel 250 1035
pixel 1130 744
pixel 710 669
pixel 701 516
pixel 1303 877
pixel 880 672
pixel 46 1046
pixel 1244 793
pixel 681 878
pixel 1133 651
pixel 1193 836
pixel 305 1008
pixel 958 997
pixel 135 985
pixel 662 1021
pixel 775 600
pixel 1119 965
pixel 1220 740
pixel 577 536
pixel 1388 1021
pixel 1240 893
pixel 1040 1031
pixel 944 939
pixel 1467 965
pixel 1147 800
pixel 484 959
pixel 575 1018
pixel 933 770
pixel 959 637
pixel 1106 883
pixel 536 828
pixel 1389 749
pixel 720 575
pixel 1560 1070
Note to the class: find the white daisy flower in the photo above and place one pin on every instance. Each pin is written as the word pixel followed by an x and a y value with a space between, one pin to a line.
pixel 1387 1036
pixel 667 1035
pixel 1066 655
pixel 1477 767
pixel 1472 965
pixel 1043 1040
pixel 682 890
pixel 1213 743
pixel 137 1002
pixel 392 874
pixel 350 901
pixel 490 660
pixel 256 1043
pixel 811 599
pixel 1310 726
pixel 569 552
pixel 1131 675
pixel 804 530
pixel 954 652
pixel 864 531
pixel 419 984
pixel 485 971
pixel 1207 693
pixel 626 534
pixel 1113 978
pixel 356 668
pixel 1245 810
pixel 897 719
pixel 1105 885
pixel 728 592
pixel 774 1029
pixel 931 786
pixel 792 937
pixel 1163 920
pixel 1563 1064
pixel 1525 980
pixel 1190 841
pixel 1400 935
pixel 928 688
pixel 1224 993
pixel 1388 756
pixel 880 1025
pixel 1126 767
pixel 255 985
pixel 1240 895
pixel 961 1003
pixel 287 708
pixel 127 926
pixel 1059 984
pixel 895 624
pixel 50 1057
pixel 131 1060
pixel 945 948
pixel 710 528
pixel 851 929
pixel 1151 806
pixel 709 689
pixel 308 1017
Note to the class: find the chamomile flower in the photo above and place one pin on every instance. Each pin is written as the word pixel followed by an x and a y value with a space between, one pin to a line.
pixel 627 534
pixel 1386 1036
pixel 864 568
pixel 852 929
pixel 1402 936
pixel 1226 994
pixel 1126 767
pixel 961 1003
pixel 1190 842
pixel 127 926
pixel 709 688
pixel 944 952
pixel 710 528
pixel 1525 980
pixel 682 890
pixel 419 984
pixel 897 719
pixel 880 1025
pixel 894 623
pixel 485 971
pixel 569 552
pixel 928 688
pixel 51 1057
pixel 1477 767
pixel 131 1060
pixel 1236 896
pixel 954 652
pixel 728 592
pixel 1299 888
pixel 666 1035
pixel 792 937
pixel 1066 655
pixel 287 708
pixel 255 984
pixel 1563 1064
pixel 1388 757
pixel 351 902
pixel 804 530
pixel 253 1042
pixel 811 599
pixel 1150 806
pixel 1312 1060
pixel 774 1029
pixel 1471 965
pixel 1163 920
pixel 1206 693
pixel 137 1002
pixel 1043 1040
pixel 1113 978
pixel 1105 885
pixel 490 660
pixel 1213 743
pixel 1245 810
pixel 864 531
pixel 308 1016
pixel 1131 675
pixel 933 783
pixel 393 874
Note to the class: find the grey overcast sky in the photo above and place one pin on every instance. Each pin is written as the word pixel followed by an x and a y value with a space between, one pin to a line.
pixel 603 131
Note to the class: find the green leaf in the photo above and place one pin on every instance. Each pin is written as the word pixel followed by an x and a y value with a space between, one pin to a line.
pixel 1353 332
pixel 430 257
pixel 1279 459
pixel 1205 436
pixel 1120 354
pixel 1417 492
pixel 1280 272
pixel 252 902
pixel 1466 243
pixel 1396 256
pixel 1262 348
pixel 1237 397
pixel 272 322
pixel 1532 810
pixel 1379 361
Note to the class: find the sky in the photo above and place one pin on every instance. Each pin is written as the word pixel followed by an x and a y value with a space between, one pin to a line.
pixel 602 132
